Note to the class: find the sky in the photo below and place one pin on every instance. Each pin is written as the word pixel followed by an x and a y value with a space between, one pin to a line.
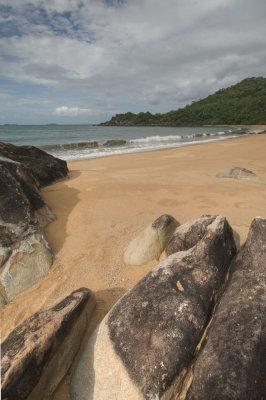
pixel 83 61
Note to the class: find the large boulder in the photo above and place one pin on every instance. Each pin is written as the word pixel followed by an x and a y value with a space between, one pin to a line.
pixel 37 353
pixel 45 168
pixel 232 364
pixel 25 256
pixel 240 173
pixel 147 342
pixel 23 264
pixel 150 243
pixel 189 234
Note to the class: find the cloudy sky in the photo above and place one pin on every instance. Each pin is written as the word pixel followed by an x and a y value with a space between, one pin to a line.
pixel 82 61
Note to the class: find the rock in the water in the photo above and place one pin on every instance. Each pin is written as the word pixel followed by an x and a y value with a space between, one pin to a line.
pixel 232 364
pixel 25 256
pixel 189 234
pixel 151 242
pixel 37 353
pixel 146 343
pixel 240 173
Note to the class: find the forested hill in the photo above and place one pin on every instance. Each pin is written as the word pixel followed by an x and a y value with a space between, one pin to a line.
pixel 243 103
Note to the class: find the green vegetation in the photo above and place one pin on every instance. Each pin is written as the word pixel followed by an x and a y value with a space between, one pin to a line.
pixel 243 103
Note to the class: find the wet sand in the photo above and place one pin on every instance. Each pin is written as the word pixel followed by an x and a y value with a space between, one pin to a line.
pixel 107 201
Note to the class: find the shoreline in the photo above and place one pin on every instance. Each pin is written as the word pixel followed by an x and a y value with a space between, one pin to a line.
pixel 157 149
pixel 107 201
pixel 260 129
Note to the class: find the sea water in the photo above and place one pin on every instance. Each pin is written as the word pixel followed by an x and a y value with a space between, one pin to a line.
pixel 76 142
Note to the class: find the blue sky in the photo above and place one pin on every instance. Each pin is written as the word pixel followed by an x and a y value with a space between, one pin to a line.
pixel 71 61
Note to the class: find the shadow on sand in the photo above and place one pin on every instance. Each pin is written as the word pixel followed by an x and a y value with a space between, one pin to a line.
pixel 61 199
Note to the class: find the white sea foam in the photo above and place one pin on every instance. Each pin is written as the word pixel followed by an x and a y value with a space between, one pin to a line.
pixel 254 130
pixel 104 152
pixel 154 139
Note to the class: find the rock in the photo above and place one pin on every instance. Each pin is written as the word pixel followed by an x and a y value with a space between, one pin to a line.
pixel 37 353
pixel 2 300
pixel 24 264
pixel 189 234
pixel 240 173
pixel 19 194
pixel 151 242
pixel 146 343
pixel 232 363
pixel 44 216
pixel 45 168
pixel 25 256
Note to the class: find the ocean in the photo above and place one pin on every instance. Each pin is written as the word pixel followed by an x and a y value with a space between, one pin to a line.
pixel 76 142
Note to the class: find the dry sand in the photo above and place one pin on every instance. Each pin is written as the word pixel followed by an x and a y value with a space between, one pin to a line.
pixel 108 201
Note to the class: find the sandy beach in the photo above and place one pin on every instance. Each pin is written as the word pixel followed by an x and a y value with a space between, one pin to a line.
pixel 107 201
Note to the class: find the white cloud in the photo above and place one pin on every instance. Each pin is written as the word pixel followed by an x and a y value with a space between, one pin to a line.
pixel 72 111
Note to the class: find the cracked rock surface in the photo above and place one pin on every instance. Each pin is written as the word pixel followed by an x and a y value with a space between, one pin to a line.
pixel 232 365
pixel 189 234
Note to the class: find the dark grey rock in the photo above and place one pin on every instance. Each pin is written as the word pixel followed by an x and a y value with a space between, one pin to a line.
pixel 23 214
pixel 19 198
pixel 232 364
pixel 45 168
pixel 156 326
pixel 163 221
pixel 189 234
pixel 37 353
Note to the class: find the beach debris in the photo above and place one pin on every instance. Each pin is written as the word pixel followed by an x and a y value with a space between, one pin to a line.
pixel 240 173
pixel 150 243
pixel 37 354
pixel 151 334
pixel 189 234
pixel 232 363
pixel 25 256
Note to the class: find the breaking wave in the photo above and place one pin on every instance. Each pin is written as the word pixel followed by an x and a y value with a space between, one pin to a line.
pixel 99 148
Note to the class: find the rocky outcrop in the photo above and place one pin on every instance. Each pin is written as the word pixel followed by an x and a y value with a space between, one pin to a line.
pixel 150 243
pixel 37 353
pixel 25 256
pixel 150 336
pixel 232 364
pixel 189 234
pixel 45 168
pixel 240 173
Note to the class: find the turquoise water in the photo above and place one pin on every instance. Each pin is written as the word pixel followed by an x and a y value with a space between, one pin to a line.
pixel 72 142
